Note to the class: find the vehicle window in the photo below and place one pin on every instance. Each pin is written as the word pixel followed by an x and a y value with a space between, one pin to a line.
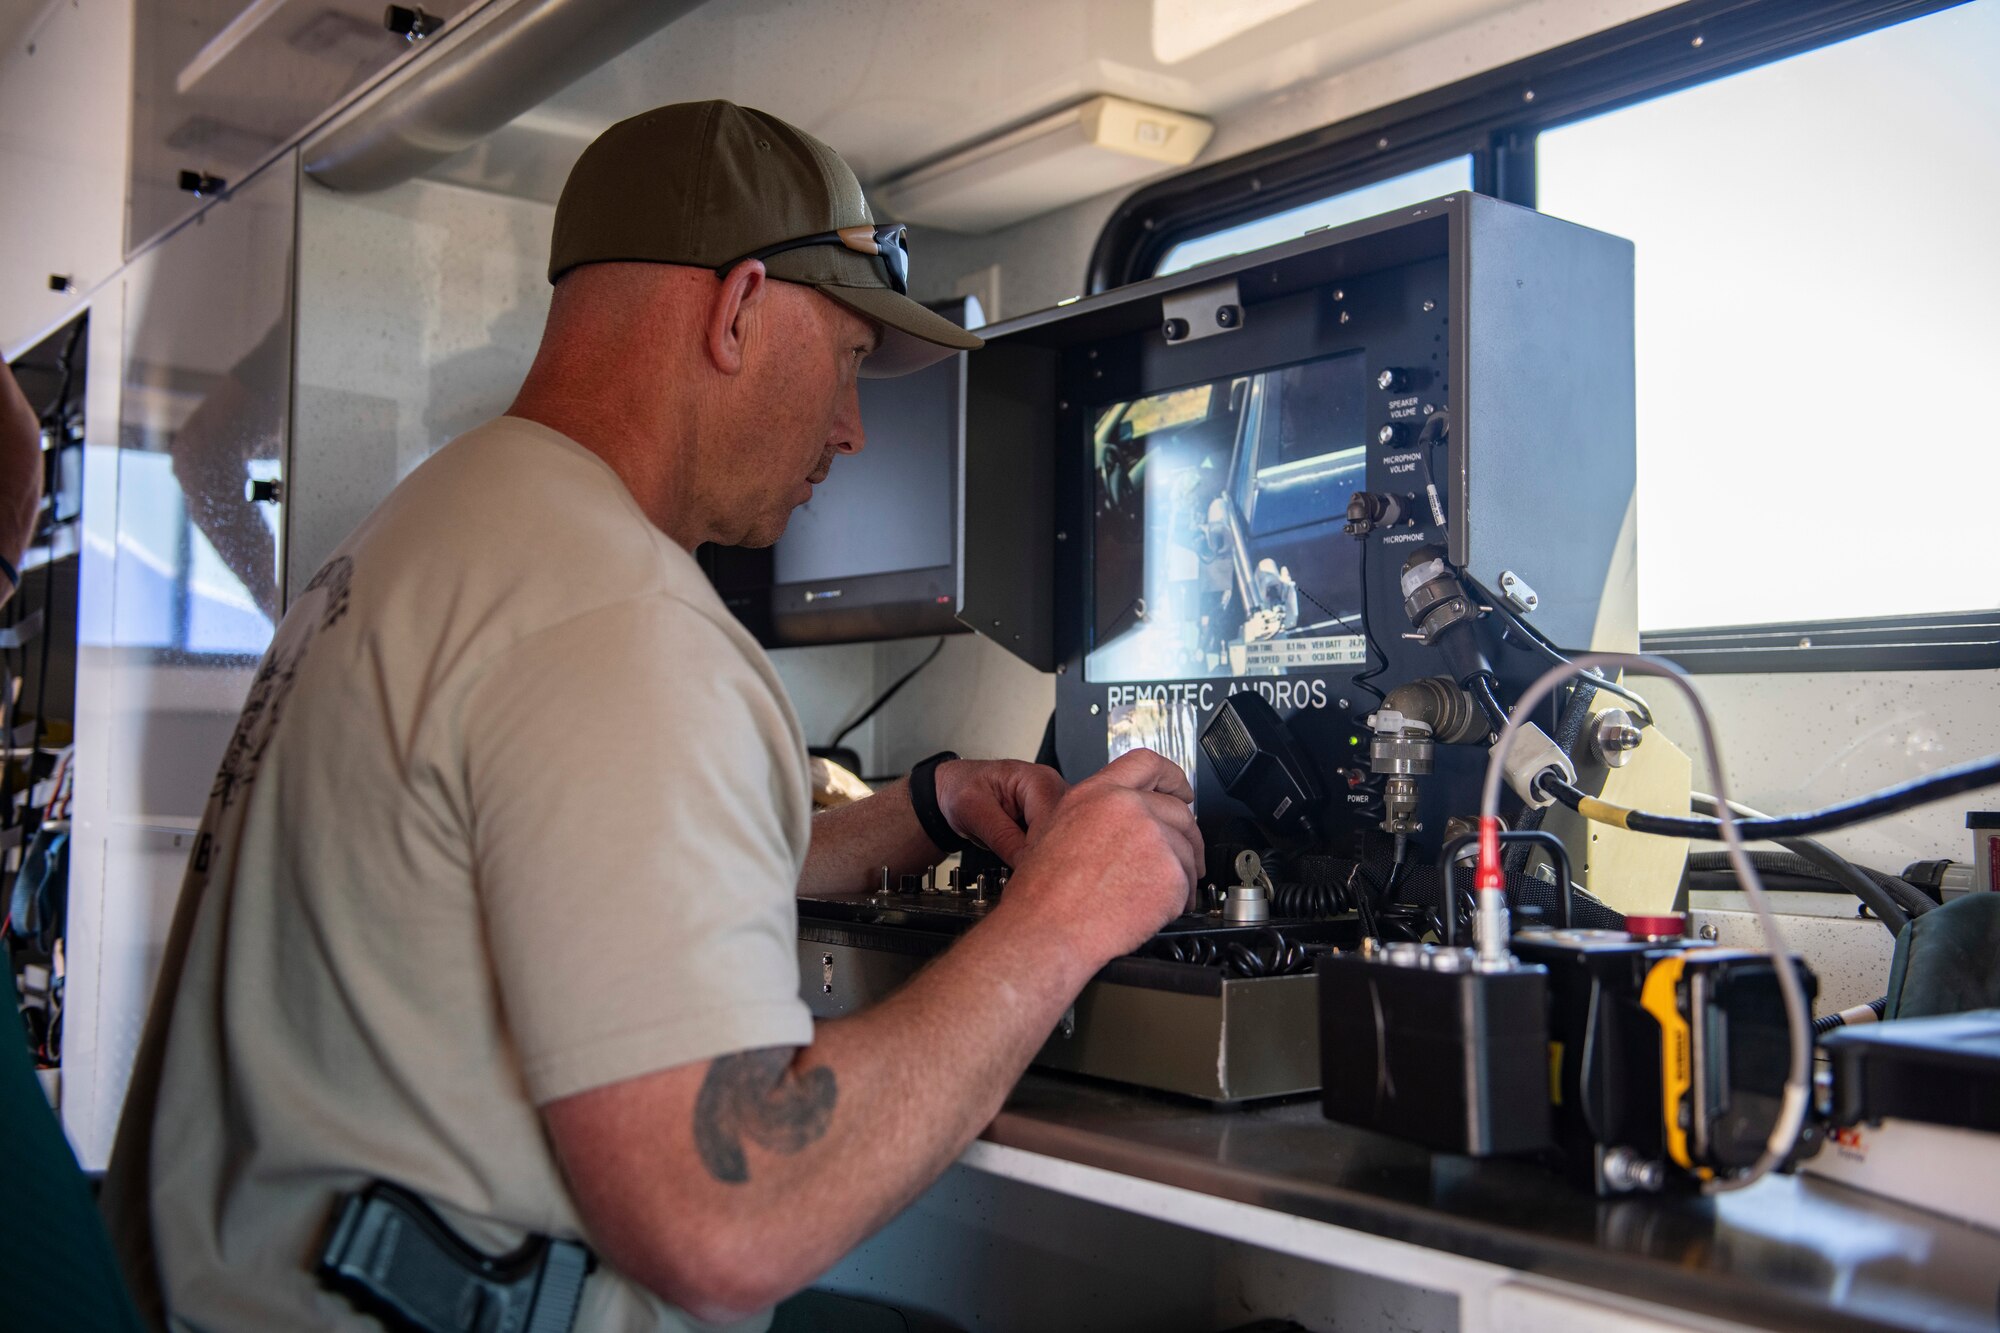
pixel 1347 206
pixel 1817 277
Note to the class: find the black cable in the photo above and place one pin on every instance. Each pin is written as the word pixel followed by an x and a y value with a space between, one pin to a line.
pixel 1548 842
pixel 1643 711
pixel 1913 900
pixel 1587 1062
pixel 1362 680
pixel 1368 634
pixel 1889 801
pixel 1268 953
pixel 1304 886
pixel 1795 861
pixel 1489 703
pixel 1857 879
pixel 1893 900
pixel 1363 898
pixel 1398 863
pixel 1826 1023
pixel 888 694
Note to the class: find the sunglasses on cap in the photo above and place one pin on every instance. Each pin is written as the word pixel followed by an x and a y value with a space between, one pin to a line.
pixel 886 241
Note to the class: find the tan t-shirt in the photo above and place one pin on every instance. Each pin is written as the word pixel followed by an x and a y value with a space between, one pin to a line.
pixel 515 809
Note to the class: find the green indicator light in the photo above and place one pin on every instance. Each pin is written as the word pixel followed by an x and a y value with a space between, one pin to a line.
pixel 1354 740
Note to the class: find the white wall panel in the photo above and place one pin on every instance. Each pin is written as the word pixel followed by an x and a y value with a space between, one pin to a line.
pixel 65 105
pixel 419 312
pixel 177 594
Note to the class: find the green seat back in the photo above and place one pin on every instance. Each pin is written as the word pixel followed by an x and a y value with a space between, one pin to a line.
pixel 57 1269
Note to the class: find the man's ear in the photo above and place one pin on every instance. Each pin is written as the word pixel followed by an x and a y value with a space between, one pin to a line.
pixel 734 314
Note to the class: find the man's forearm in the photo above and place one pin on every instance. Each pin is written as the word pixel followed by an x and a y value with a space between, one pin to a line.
pixel 851 844
pixel 725 1184
pixel 889 1097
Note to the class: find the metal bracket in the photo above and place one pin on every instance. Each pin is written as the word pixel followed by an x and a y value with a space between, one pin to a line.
pixel 1517 592
pixel 1201 312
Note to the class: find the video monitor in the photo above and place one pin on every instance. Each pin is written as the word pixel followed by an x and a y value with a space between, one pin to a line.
pixel 1218 550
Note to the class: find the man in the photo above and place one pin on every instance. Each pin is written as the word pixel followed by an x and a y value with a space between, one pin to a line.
pixel 493 898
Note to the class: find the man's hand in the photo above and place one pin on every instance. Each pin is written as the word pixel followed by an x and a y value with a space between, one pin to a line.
pixel 1000 803
pixel 1119 858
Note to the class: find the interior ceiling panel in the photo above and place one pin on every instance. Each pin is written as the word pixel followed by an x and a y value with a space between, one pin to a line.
pixel 893 84
pixel 16 16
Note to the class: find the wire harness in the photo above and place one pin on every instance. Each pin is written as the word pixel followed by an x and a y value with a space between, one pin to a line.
pixel 1798 1076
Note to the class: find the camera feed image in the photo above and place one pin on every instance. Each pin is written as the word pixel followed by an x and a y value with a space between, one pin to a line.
pixel 1219 549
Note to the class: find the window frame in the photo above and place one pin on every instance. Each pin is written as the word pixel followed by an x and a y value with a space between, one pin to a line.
pixel 1496 117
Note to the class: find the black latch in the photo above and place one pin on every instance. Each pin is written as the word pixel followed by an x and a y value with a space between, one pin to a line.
pixel 200 184
pixel 410 22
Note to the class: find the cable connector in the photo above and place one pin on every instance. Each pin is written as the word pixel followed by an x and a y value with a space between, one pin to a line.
pixel 1488 875
pixel 1532 755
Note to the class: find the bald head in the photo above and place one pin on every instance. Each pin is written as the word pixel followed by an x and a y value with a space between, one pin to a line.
pixel 718 402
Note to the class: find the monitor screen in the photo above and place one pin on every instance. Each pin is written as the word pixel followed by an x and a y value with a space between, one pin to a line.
pixel 1218 547
pixel 890 507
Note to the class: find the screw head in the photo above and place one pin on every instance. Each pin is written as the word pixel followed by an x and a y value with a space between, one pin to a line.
pixel 1174 330
pixel 1228 316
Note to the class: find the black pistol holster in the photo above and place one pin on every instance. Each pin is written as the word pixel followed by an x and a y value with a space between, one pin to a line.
pixel 395 1258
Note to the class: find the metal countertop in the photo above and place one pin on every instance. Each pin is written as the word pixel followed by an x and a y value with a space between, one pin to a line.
pixel 1789 1253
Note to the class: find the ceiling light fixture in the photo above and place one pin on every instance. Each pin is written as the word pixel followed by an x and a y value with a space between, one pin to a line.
pixel 1101 144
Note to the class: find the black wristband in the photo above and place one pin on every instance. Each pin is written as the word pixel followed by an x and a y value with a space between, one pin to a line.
pixel 924 800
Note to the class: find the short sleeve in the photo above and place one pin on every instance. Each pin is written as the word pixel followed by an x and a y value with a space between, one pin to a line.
pixel 637 792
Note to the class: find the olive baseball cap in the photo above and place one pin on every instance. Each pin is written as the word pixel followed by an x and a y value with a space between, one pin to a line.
pixel 706 183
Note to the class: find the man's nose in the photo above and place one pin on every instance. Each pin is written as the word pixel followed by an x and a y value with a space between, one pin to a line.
pixel 848 436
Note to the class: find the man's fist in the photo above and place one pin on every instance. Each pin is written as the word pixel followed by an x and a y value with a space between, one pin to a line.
pixel 1118 859
pixel 999 803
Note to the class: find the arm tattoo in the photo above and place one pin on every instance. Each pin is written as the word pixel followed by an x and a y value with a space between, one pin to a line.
pixel 757 1095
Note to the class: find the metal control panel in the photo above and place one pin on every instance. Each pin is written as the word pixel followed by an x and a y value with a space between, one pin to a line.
pixel 1165 510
